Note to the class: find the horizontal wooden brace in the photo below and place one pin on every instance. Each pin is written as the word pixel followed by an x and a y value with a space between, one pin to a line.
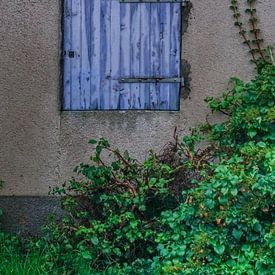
pixel 152 80
pixel 153 1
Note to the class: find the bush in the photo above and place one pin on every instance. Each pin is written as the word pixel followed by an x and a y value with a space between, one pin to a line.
pixel 184 211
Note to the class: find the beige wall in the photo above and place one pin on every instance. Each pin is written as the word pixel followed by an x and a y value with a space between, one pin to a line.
pixel 39 146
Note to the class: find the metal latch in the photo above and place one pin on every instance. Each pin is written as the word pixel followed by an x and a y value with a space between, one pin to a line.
pixel 71 54
pixel 151 80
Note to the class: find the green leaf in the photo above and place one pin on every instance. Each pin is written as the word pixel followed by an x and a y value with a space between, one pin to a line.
pixel 153 181
pixel 234 192
pixel 231 263
pixel 92 141
pixel 252 133
pixel 115 166
pixel 86 255
pixel 237 234
pixel 257 227
pixel 95 240
pixel 246 247
pixel 210 204
pixel 219 249
pixel 261 144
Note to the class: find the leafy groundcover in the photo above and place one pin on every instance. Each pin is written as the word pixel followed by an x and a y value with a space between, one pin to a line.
pixel 204 205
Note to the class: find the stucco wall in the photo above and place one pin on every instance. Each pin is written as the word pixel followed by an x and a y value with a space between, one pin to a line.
pixel 39 145
pixel 29 95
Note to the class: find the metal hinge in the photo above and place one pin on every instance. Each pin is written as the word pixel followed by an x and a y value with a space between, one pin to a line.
pixel 151 80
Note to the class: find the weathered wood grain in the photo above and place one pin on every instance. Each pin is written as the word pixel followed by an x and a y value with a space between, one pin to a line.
pixel 164 93
pixel 155 54
pixel 75 61
pixel 145 57
pixel 105 54
pixel 175 56
pixel 85 70
pixel 115 53
pixel 109 40
pixel 125 54
pixel 95 42
pixel 135 54
pixel 67 61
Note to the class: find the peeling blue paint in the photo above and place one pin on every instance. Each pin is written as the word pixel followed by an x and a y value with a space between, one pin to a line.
pixel 112 40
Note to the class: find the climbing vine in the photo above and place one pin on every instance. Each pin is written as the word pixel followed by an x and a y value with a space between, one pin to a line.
pixel 250 32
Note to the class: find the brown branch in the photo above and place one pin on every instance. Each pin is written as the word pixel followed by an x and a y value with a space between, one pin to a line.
pixel 242 33
pixel 253 23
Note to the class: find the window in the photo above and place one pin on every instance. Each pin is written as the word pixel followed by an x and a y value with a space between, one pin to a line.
pixel 122 54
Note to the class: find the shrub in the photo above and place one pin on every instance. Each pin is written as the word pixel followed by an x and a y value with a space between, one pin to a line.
pixel 115 209
pixel 184 211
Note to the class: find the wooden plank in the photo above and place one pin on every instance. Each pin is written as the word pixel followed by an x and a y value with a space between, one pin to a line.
pixel 135 54
pixel 85 54
pixel 145 56
pixel 115 55
pixel 125 53
pixel 153 1
pixel 105 54
pixel 67 60
pixel 175 55
pixel 75 62
pixel 155 54
pixel 95 55
pixel 165 54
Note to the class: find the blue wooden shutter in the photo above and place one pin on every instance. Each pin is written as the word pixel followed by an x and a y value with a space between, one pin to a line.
pixel 121 55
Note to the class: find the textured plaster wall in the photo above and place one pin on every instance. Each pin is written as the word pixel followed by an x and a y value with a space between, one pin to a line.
pixel 29 95
pixel 212 47
pixel 39 146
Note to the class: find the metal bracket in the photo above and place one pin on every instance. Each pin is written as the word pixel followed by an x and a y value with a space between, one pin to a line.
pixel 151 80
